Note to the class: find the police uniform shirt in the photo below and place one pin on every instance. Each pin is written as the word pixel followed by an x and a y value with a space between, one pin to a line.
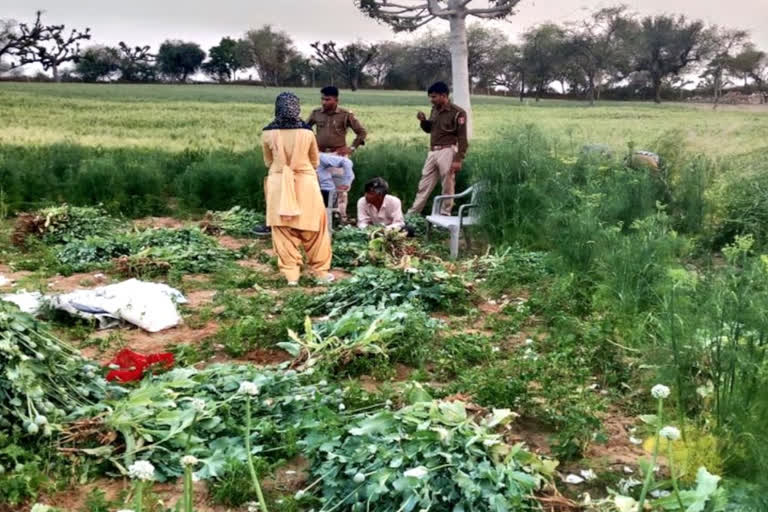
pixel 332 128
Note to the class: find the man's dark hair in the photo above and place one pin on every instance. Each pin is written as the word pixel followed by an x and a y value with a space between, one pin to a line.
pixel 438 88
pixel 330 90
pixel 377 185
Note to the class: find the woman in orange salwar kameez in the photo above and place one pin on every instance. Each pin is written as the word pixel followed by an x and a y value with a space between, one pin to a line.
pixel 295 209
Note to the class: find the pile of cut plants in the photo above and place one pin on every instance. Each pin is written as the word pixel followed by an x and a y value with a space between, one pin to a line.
pixel 81 239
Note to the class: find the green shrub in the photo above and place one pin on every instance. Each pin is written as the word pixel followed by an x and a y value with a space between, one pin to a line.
pixel 234 488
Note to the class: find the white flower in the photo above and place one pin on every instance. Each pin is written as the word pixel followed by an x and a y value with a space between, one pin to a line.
pixel 660 391
pixel 249 388
pixel 417 472
pixel 322 383
pixel 142 470
pixel 189 460
pixel 671 433
pixel 634 440
pixel 412 270
pixel 528 341
pixel 358 478
pixel 659 494
pixel 299 494
pixel 342 407
pixel 197 404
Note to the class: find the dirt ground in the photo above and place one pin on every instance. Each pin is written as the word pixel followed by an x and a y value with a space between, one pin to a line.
pixel 159 222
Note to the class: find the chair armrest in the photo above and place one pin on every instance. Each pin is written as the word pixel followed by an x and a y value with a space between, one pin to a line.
pixel 439 199
pixel 463 208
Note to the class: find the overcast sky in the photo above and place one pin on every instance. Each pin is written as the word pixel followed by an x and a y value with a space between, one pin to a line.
pixel 205 22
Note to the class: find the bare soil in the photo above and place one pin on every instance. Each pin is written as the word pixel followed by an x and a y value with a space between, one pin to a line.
pixel 232 243
pixel 151 343
pixel 87 280
pixel 169 493
pixel 618 451
pixel 158 222
pixel 12 276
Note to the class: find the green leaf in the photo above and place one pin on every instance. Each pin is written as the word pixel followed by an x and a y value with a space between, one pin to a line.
pixel 378 423
pixel 292 348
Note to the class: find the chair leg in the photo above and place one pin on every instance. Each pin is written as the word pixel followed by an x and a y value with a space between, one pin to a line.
pixel 428 232
pixel 468 239
pixel 454 244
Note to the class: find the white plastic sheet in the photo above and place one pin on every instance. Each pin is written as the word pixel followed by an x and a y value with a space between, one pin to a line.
pixel 28 302
pixel 150 306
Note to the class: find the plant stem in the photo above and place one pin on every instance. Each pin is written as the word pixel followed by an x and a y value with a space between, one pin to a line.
pixel 674 478
pixel 251 468
pixel 139 498
pixel 649 473
pixel 188 489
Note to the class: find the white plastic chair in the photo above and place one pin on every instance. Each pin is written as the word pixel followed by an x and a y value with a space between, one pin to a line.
pixel 332 207
pixel 455 224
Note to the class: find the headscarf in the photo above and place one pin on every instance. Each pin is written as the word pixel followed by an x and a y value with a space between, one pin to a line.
pixel 287 111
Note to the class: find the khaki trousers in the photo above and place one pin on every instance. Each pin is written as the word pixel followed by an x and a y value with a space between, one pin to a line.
pixel 436 168
pixel 287 243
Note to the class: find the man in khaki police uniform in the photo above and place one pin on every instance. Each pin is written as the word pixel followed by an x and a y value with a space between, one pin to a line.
pixel 447 126
pixel 332 123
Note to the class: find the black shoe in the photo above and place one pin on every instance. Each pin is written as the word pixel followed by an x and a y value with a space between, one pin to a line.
pixel 262 231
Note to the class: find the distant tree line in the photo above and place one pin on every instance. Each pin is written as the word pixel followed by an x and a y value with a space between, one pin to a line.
pixel 613 53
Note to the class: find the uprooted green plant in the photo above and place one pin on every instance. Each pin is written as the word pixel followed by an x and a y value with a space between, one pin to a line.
pixel 430 455
pixel 149 252
pixel 237 221
pixel 200 413
pixel 62 224
pixel 42 379
pixel 427 284
pixel 394 334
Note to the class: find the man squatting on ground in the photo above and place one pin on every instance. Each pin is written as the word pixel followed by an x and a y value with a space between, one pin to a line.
pixel 378 208
pixel 447 126
pixel 332 124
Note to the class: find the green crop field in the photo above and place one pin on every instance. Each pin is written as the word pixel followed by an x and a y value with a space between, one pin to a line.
pixel 602 341
pixel 174 118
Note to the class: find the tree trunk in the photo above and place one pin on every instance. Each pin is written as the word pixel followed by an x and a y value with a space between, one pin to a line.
pixel 657 89
pixel 55 69
pixel 591 90
pixel 460 67
pixel 522 87
pixel 717 91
